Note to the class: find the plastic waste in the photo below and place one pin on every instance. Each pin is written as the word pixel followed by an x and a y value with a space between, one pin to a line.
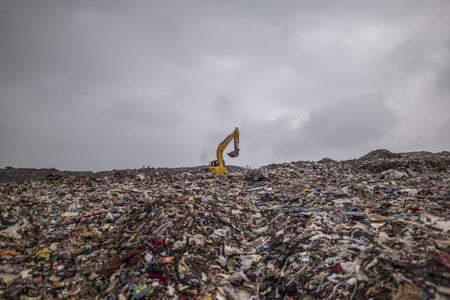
pixel 357 229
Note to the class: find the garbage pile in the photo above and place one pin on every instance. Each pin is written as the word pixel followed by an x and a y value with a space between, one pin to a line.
pixel 301 230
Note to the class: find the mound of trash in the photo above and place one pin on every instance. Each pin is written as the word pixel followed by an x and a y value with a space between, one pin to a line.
pixel 376 227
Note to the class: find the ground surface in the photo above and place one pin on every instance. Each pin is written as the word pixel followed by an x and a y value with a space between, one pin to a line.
pixel 26 174
pixel 376 227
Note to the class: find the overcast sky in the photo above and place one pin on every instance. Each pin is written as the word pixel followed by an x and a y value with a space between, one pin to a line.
pixel 99 85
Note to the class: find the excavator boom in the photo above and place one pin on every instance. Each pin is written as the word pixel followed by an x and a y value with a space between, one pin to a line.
pixel 218 166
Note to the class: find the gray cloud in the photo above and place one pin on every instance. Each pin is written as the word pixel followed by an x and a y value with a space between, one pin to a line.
pixel 112 84
pixel 361 120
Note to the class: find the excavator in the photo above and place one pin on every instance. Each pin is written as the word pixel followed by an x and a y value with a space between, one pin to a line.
pixel 218 166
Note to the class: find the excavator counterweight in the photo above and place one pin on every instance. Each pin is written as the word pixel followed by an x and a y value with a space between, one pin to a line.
pixel 218 166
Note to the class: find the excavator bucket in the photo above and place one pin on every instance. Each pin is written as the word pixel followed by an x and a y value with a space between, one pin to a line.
pixel 233 153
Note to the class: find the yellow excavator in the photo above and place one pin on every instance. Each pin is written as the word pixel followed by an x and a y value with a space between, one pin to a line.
pixel 218 166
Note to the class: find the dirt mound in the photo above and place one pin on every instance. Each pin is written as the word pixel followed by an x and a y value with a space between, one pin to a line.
pixel 375 161
pixel 382 160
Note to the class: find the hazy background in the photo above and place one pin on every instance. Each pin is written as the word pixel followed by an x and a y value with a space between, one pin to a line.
pixel 96 85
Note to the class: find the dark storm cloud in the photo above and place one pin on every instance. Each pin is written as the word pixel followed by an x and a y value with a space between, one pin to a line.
pixel 341 129
pixel 145 110
pixel 361 120
pixel 115 84
pixel 443 75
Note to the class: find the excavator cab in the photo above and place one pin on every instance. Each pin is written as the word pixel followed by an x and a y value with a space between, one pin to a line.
pixel 218 166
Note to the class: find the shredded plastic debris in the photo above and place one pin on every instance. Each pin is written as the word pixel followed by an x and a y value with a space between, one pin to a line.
pixel 370 228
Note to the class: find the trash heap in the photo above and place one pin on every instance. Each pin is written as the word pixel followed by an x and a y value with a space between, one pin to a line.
pixel 371 228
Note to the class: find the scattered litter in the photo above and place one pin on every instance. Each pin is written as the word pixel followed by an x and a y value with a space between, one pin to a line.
pixel 371 228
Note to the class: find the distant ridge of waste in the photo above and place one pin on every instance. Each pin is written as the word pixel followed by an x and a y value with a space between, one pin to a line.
pixel 376 227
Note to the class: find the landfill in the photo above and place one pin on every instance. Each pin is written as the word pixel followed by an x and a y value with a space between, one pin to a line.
pixel 376 227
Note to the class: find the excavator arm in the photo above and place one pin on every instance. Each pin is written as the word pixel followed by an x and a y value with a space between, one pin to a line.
pixel 218 166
